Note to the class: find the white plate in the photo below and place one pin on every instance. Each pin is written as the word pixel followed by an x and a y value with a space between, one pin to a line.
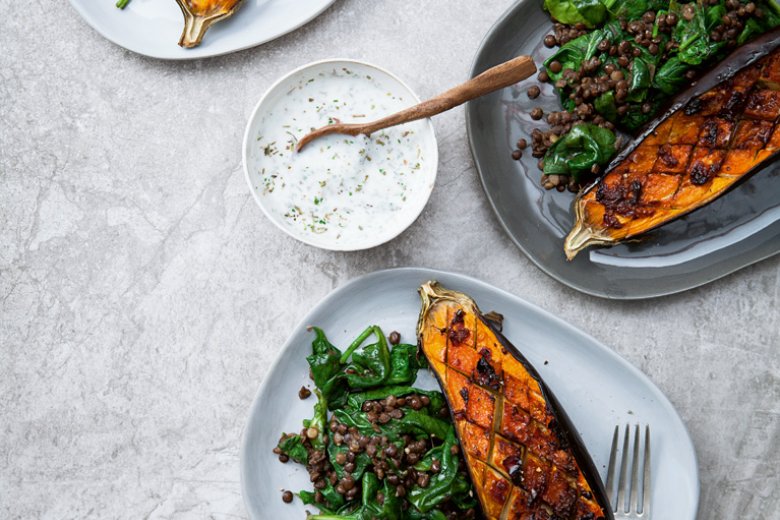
pixel 597 388
pixel 390 95
pixel 153 27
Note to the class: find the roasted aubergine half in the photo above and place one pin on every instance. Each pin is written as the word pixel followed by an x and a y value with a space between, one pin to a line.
pixel 524 456
pixel 199 15
pixel 723 129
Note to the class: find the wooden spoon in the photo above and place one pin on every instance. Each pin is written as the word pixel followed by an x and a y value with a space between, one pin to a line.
pixel 500 76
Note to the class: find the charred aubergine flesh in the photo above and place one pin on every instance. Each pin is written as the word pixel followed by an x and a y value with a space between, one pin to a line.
pixel 524 457
pixel 722 130
pixel 199 15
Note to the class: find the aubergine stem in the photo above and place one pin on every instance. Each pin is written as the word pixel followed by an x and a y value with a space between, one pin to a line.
pixel 195 26
pixel 581 235
pixel 194 29
pixel 578 239
pixel 432 292
pixel 495 78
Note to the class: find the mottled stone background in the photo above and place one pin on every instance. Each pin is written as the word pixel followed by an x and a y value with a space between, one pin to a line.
pixel 143 294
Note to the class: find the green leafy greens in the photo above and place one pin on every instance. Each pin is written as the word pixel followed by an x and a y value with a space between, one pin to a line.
pixel 588 12
pixel 348 384
pixel 578 150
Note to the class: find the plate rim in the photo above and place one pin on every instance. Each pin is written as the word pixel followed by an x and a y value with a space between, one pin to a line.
pixel 663 400
pixel 246 141
pixel 510 11
pixel 100 29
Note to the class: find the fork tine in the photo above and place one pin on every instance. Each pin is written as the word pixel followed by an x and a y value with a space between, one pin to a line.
pixel 646 488
pixel 621 494
pixel 634 505
pixel 611 470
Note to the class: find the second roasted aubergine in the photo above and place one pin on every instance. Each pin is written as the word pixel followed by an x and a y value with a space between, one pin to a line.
pixel 724 129
pixel 525 458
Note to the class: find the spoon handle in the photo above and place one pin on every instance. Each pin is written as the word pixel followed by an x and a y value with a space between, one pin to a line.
pixel 500 76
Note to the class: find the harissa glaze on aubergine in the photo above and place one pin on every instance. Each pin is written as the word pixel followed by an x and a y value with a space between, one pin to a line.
pixel 720 131
pixel 524 456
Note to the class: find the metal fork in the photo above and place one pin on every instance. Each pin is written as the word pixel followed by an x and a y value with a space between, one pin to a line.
pixel 624 495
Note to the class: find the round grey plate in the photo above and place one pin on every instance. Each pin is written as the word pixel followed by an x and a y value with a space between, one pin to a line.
pixel 597 388
pixel 737 230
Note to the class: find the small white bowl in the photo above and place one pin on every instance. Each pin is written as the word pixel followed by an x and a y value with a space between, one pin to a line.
pixel 398 179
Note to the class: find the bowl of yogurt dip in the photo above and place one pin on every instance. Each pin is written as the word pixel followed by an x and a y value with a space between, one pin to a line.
pixel 340 192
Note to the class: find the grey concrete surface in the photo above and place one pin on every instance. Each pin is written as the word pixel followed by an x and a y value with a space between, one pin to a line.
pixel 143 294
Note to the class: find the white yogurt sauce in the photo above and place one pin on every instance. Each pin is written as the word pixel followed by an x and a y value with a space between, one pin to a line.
pixel 340 189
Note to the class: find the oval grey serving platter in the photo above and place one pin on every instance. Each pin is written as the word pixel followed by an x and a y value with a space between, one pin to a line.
pixel 597 388
pixel 736 230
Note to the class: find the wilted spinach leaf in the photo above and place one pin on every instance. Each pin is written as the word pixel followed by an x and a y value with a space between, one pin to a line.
pixel 635 118
pixel 371 365
pixel 670 78
pixel 752 28
pixel 572 54
pixel 606 106
pixel 640 80
pixel 694 36
pixel 292 446
pixel 589 12
pixel 447 484
pixel 403 364
pixel 577 151
pixel 326 369
pixel 418 423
